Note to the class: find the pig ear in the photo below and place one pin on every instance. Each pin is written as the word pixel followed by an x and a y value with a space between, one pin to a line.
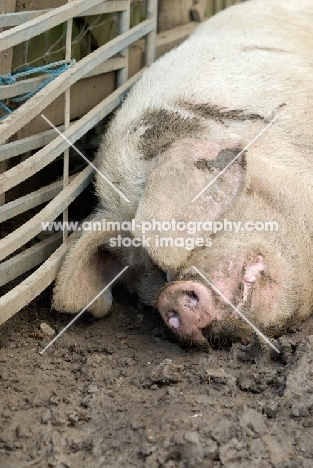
pixel 88 267
pixel 176 178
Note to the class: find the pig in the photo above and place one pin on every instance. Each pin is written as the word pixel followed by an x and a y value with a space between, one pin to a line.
pixel 186 124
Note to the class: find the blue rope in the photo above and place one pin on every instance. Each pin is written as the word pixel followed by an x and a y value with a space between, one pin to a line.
pixel 26 71
pixel 5 108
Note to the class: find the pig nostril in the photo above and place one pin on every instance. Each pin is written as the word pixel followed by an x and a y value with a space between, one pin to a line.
pixel 192 297
pixel 174 320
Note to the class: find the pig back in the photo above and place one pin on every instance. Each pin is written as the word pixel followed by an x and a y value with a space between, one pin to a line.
pixel 226 82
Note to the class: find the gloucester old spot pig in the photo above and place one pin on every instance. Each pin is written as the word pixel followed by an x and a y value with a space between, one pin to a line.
pixel 182 124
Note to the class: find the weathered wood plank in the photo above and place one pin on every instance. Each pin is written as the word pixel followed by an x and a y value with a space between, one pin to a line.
pixel 33 28
pixel 6 58
pixel 26 5
pixel 5 67
pixel 17 19
pixel 28 259
pixel 170 39
pixel 173 13
pixel 123 26
pixel 31 228
pixel 31 200
pixel 210 8
pixel 197 11
pixel 25 86
pixel 10 150
pixel 86 92
pixel 26 291
pixel 219 5
pixel 43 157
pixel 150 40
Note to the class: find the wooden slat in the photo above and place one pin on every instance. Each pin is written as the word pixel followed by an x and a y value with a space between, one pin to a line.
pixel 150 40
pixel 17 19
pixel 88 92
pixel 6 58
pixel 27 202
pixel 210 8
pixel 42 158
pixel 5 67
pixel 28 259
pixel 10 150
pixel 39 25
pixel 123 26
pixel 37 103
pixel 25 86
pixel 219 5
pixel 29 5
pixel 51 211
pixel 26 291
pixel 26 5
pixel 20 296
pixel 198 9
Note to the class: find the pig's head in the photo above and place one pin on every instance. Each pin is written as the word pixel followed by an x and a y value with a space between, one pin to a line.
pixel 246 271
pixel 204 307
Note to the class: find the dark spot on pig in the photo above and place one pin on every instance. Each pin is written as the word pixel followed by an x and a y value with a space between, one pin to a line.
pixel 164 128
pixel 223 158
pixel 266 49
pixel 211 111
pixel 201 164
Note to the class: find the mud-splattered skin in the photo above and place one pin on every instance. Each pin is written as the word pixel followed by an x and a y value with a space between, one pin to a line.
pixel 181 125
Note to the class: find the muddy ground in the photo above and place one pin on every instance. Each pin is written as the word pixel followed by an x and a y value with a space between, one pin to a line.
pixel 122 392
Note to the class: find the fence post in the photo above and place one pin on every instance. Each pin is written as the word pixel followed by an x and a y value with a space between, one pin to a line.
pixel 174 13
pixel 150 39
pixel 123 26
pixel 67 118
pixel 197 11
pixel 6 6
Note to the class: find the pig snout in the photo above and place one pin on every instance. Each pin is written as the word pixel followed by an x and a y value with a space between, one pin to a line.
pixel 186 307
pixel 199 314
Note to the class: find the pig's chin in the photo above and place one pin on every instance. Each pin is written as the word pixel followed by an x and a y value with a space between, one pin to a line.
pixel 218 333
pixel 221 333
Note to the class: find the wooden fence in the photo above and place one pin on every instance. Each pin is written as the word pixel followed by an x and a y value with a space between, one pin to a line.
pixel 49 252
pixel 75 102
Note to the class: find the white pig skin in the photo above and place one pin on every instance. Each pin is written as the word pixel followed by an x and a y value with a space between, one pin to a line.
pixel 210 97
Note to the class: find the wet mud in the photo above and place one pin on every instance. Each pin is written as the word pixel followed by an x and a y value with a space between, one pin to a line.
pixel 121 391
